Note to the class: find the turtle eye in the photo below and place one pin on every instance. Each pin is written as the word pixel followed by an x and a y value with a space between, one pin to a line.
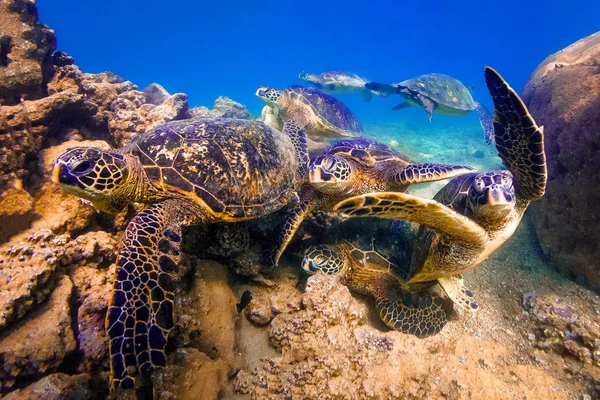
pixel 479 185
pixel 506 181
pixel 82 167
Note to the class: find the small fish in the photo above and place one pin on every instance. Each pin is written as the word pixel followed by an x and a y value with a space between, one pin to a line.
pixel 244 301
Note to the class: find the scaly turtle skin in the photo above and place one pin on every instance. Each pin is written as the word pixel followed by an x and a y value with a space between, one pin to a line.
pixel 188 172
pixel 351 167
pixel 322 115
pixel 475 213
pixel 403 307
pixel 438 94
pixel 339 82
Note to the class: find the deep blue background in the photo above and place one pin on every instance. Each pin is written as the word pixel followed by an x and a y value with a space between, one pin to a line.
pixel 207 49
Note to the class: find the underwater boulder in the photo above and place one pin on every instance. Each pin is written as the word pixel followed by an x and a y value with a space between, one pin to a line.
pixel 563 95
pixel 26 47
pixel 224 107
pixel 155 94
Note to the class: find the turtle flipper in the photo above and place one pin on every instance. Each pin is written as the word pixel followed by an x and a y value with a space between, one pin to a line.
pixel 420 173
pixel 417 314
pixel 520 142
pixel 428 105
pixel 286 232
pixel 487 122
pixel 382 88
pixel 458 293
pixel 298 136
pixel 415 209
pixel 366 95
pixel 140 311
pixel 401 106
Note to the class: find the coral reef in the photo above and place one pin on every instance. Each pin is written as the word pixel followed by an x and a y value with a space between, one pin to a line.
pixel 536 335
pixel 563 95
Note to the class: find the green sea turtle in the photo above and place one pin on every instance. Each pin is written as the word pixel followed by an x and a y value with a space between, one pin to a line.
pixel 409 308
pixel 322 115
pixel 188 172
pixel 475 213
pixel 338 82
pixel 351 167
pixel 439 94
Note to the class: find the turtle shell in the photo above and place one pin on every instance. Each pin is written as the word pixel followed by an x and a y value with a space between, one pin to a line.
pixel 341 77
pixel 442 89
pixel 328 108
pixel 365 151
pixel 240 169
pixel 374 260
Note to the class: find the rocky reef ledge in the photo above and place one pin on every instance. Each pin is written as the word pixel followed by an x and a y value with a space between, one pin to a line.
pixel 536 335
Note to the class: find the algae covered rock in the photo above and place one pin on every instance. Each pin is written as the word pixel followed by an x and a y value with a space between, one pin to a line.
pixel 224 107
pixel 563 95
pixel 55 387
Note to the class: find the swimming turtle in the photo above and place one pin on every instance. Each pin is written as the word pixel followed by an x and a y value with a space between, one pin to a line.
pixel 475 213
pixel 351 167
pixel 401 306
pixel 439 94
pixel 322 115
pixel 338 82
pixel 188 172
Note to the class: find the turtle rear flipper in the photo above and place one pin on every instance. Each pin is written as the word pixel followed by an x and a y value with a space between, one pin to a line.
pixel 420 315
pixel 140 312
pixel 382 87
pixel 458 293
pixel 520 142
pixel 415 209
pixel 421 173
pixel 428 105
pixel 487 122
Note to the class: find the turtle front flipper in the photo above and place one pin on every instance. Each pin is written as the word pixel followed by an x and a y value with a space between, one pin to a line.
pixel 487 122
pixel 458 293
pixel 287 230
pixel 298 137
pixel 519 141
pixel 428 105
pixel 415 209
pixel 417 314
pixel 421 173
pixel 140 312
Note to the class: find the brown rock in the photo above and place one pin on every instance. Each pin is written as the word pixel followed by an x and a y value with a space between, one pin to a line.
pixel 191 375
pixel 25 61
pixel 16 206
pixel 563 95
pixel 38 345
pixel 206 314
pixel 55 387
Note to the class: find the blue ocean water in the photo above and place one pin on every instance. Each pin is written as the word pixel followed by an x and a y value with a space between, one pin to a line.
pixel 207 49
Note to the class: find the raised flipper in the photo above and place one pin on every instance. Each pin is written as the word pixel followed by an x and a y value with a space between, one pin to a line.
pixel 298 136
pixel 367 95
pixel 458 293
pixel 428 105
pixel 140 311
pixel 270 117
pixel 401 106
pixel 382 87
pixel 421 173
pixel 418 314
pixel 415 209
pixel 487 123
pixel 286 231
pixel 520 142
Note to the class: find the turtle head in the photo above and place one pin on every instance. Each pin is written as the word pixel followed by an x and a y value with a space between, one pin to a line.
pixel 95 175
pixel 328 259
pixel 330 174
pixel 305 76
pixel 491 195
pixel 268 95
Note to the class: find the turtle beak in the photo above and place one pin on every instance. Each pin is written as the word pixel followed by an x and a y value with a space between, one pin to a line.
pixel 308 266
pixel 56 171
